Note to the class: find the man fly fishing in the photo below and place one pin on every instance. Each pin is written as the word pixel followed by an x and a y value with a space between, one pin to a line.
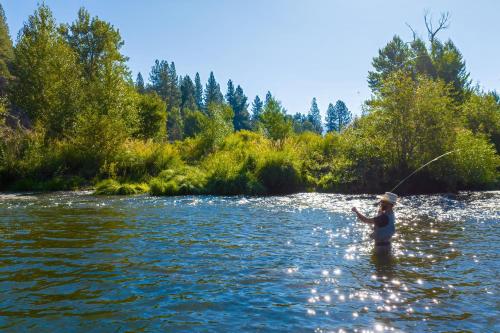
pixel 384 223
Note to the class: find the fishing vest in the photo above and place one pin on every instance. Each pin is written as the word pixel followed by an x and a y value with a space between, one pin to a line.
pixel 384 234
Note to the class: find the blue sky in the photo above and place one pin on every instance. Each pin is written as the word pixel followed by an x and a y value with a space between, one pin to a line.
pixel 296 49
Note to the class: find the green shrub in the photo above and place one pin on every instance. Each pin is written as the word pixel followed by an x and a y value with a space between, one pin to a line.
pixel 278 173
pixel 339 178
pixel 112 187
pixel 231 169
pixel 475 164
pixel 139 160
pixel 184 180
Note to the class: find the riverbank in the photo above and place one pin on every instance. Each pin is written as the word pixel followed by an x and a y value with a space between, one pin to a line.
pixel 249 163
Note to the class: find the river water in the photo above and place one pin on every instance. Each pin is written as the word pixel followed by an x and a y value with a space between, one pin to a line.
pixel 74 262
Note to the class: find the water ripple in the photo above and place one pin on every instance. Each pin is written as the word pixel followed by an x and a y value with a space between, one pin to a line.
pixel 71 261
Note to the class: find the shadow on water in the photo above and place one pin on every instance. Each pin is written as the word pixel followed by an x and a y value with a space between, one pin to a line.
pixel 384 262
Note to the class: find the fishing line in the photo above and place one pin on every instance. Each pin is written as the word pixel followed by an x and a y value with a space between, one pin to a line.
pixel 423 166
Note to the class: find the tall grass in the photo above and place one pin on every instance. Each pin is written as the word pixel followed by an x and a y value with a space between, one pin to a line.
pixel 243 163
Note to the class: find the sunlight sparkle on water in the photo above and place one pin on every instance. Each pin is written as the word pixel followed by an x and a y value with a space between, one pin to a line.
pixel 315 263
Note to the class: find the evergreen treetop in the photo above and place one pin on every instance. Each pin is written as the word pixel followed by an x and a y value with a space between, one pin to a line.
pixel 314 117
pixel 139 83
pixel 212 92
pixel 257 106
pixel 198 91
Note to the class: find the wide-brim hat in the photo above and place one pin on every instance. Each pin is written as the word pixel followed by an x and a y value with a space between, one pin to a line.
pixel 389 197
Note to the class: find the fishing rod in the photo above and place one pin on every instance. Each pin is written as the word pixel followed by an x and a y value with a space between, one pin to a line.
pixel 423 166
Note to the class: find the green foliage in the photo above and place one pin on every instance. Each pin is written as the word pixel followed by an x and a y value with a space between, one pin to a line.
pixel 257 106
pixel 48 85
pixel 97 139
pixel 112 187
pixel 216 126
pixel 97 44
pixel 198 92
pixel 139 160
pixel 231 169
pixel 6 53
pixel 139 84
pixel 175 124
pixel 314 117
pixel 180 181
pixel 274 121
pixel 241 116
pixel 450 67
pixel 279 173
pixel 330 119
pixel 3 111
pixel 395 56
pixel 152 117
pixel 337 117
pixel 238 102
pixel 481 114
pixel 193 123
pixel 107 85
pixel 339 177
pixel 213 94
pixel 438 61
pixel 188 94
pixel 476 163
pixel 302 124
pixel 415 119
pixel 88 121
pixel 164 81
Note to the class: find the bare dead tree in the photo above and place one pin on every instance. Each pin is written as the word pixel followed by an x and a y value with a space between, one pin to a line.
pixel 414 33
pixel 443 23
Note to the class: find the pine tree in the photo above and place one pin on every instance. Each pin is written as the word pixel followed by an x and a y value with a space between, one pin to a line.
pixel 302 124
pixel 6 53
pixel 159 78
pixel 212 92
pixel 396 55
pixel 174 98
pixel 164 81
pixel 257 106
pixel 450 67
pixel 139 84
pixel 230 94
pixel 343 115
pixel 331 118
pixel 269 97
pixel 314 117
pixel 198 91
pixel 241 119
pixel 188 100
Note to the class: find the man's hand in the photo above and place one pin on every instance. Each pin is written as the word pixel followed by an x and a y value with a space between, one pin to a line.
pixel 361 216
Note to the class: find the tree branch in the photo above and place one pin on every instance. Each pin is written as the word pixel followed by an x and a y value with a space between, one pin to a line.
pixel 443 23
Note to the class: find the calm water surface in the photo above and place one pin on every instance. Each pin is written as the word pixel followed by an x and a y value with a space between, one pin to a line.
pixel 74 262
